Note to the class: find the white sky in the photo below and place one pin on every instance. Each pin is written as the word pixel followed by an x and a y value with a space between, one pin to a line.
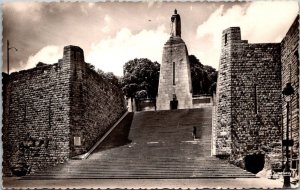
pixel 113 33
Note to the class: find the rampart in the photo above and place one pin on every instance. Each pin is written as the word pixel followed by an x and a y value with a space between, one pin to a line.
pixel 248 100
pixel 54 112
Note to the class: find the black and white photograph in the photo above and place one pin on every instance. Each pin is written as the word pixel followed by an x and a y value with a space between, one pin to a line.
pixel 150 94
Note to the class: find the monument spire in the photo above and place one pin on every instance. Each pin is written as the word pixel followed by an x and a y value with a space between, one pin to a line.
pixel 175 84
pixel 175 24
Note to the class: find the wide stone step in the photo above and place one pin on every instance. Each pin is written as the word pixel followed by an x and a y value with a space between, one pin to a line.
pixel 131 172
pixel 146 170
pixel 148 165
pixel 163 162
pixel 143 175
pixel 137 176
pixel 162 147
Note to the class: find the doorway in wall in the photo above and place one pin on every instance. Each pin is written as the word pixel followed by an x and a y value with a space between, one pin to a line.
pixel 254 163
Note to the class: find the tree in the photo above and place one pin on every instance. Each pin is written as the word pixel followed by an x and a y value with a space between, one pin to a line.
pixel 203 76
pixel 140 75
pixel 110 77
pixel 90 66
pixel 212 88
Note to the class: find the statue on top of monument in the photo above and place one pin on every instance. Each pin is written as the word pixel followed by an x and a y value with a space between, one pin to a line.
pixel 175 24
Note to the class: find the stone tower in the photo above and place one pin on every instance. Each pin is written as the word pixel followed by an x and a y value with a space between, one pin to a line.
pixel 175 88
pixel 248 104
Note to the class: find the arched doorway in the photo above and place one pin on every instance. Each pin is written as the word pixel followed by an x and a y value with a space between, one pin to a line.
pixel 254 163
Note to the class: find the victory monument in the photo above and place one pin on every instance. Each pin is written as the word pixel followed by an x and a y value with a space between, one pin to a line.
pixel 175 87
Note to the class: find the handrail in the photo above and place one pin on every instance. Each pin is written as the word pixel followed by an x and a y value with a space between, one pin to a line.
pixel 86 155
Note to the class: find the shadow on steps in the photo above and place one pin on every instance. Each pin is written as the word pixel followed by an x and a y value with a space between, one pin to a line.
pixel 119 136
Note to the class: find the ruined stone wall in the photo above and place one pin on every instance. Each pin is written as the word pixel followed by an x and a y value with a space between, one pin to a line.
pixel 96 106
pixel 290 73
pixel 249 99
pixel 49 105
pixel 38 116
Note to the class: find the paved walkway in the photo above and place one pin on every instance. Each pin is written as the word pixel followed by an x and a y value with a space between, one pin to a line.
pixel 13 182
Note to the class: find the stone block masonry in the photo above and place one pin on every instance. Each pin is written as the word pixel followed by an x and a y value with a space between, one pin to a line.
pixel 248 106
pixel 222 128
pixel 57 111
pixel 37 111
pixel 96 105
pixel 290 73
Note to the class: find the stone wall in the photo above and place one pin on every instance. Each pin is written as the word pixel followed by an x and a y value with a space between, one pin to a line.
pixel 5 112
pixel 145 104
pixel 290 73
pixel 249 100
pixel 49 105
pixel 96 105
pixel 256 102
pixel 38 115
pixel 202 101
pixel 223 106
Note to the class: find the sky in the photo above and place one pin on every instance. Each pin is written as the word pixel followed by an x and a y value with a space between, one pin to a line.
pixel 112 33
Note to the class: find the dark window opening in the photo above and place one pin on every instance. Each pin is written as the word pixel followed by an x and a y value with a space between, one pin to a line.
pixel 294 164
pixel 225 39
pixel 194 132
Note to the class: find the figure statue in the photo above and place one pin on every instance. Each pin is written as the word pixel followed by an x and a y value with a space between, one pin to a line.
pixel 175 24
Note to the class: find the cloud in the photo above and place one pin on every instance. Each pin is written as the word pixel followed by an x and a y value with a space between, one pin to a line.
pixel 151 3
pixel 24 7
pixel 111 54
pixel 260 22
pixel 21 8
pixel 49 54
pixel 112 33
pixel 107 22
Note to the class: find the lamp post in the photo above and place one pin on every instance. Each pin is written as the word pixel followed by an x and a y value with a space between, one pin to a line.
pixel 7 51
pixel 288 91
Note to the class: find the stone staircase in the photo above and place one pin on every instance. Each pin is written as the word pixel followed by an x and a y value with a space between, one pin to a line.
pixel 162 147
